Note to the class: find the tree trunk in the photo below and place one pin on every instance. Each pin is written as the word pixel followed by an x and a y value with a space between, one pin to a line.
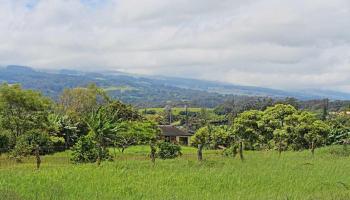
pixel 279 148
pixel 37 156
pixel 99 155
pixel 234 151
pixel 153 153
pixel 312 148
pixel 241 150
pixel 199 153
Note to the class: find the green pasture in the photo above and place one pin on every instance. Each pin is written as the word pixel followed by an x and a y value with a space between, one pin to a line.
pixel 263 175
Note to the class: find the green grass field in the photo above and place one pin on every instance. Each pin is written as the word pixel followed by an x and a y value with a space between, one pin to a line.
pixel 263 175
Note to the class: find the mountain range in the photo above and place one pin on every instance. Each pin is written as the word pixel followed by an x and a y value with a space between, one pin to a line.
pixel 144 90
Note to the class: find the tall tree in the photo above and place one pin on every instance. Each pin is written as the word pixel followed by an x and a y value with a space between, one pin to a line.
pixel 246 129
pixel 22 110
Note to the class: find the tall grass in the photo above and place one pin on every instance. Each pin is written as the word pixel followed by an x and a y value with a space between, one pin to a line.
pixel 263 175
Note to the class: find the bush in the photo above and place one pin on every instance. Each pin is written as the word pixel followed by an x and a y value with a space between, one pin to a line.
pixel 231 151
pixel 86 151
pixel 169 150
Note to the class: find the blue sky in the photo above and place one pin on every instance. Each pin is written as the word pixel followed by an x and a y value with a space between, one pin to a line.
pixel 280 44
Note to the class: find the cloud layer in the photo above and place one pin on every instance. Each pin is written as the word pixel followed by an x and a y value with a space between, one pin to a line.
pixel 273 43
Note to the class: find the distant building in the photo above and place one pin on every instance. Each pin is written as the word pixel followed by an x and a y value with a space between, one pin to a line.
pixel 175 135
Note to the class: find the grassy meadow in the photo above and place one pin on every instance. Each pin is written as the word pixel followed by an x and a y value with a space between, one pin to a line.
pixel 263 175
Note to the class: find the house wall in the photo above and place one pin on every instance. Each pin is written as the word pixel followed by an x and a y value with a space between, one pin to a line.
pixel 176 139
pixel 188 139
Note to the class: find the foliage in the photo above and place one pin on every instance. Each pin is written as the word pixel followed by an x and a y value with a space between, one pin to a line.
pixel 318 134
pixel 31 141
pixel 102 127
pixel 201 137
pixel 4 142
pixel 63 130
pixel 22 110
pixel 247 128
pixel 79 102
pixel 339 129
pixel 168 150
pixel 133 133
pixel 212 137
pixel 85 151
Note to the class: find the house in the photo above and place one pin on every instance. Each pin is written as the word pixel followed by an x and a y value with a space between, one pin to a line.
pixel 175 135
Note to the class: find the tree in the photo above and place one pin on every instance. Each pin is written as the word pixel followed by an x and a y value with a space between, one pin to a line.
pixel 275 118
pixel 246 129
pixel 153 147
pixel 102 128
pixel 79 102
pixel 63 128
pixel 200 139
pixel 135 132
pixel 280 136
pixel 297 125
pixel 325 109
pixel 220 137
pixel 123 112
pixel 34 142
pixel 317 135
pixel 22 110
pixel 339 130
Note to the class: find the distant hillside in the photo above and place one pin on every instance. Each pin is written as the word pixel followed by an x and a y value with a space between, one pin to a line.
pixel 147 90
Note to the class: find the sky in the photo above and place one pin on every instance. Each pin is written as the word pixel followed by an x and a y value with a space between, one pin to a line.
pixel 289 44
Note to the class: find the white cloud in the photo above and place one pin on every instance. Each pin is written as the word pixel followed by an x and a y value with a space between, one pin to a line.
pixel 273 43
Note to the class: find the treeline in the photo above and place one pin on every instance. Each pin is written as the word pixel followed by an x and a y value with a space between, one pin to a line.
pixel 88 121
pixel 280 127
pixel 85 120
pixel 239 104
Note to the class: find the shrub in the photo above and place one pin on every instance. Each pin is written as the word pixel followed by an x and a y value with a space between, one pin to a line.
pixel 231 151
pixel 169 150
pixel 85 151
